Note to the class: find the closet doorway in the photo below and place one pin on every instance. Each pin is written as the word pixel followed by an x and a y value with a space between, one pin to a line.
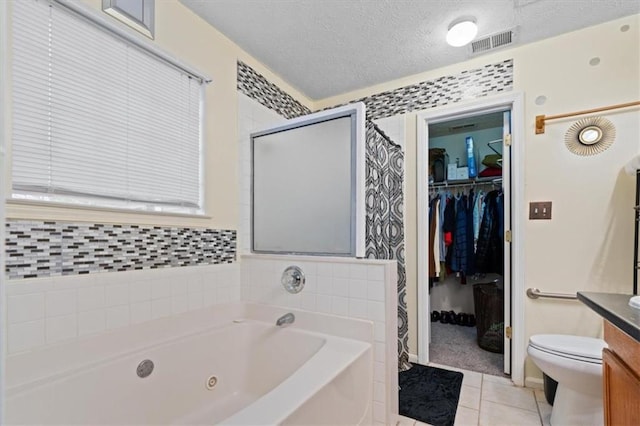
pixel 465 231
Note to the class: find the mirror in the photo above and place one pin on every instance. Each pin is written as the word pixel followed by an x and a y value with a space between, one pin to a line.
pixel 590 135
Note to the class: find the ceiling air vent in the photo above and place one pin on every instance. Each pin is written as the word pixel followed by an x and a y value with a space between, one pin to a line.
pixel 493 41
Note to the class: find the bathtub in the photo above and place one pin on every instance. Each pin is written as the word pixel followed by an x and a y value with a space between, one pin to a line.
pixel 239 372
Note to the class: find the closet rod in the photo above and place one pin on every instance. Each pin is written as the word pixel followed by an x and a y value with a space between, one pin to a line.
pixel 534 293
pixel 540 119
pixel 480 181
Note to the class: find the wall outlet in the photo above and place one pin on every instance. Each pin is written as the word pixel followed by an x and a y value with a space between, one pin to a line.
pixel 540 210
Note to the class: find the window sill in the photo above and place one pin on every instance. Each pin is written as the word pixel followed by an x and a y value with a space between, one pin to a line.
pixel 124 211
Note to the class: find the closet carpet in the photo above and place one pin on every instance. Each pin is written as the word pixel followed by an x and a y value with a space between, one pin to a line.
pixel 456 346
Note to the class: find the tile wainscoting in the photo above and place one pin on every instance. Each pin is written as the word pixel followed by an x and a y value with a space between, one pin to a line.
pixel 63 309
pixel 355 288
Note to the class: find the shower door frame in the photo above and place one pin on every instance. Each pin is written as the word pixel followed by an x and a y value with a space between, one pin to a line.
pixel 514 101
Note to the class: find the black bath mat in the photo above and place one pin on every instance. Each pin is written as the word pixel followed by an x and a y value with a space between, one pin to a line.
pixel 429 394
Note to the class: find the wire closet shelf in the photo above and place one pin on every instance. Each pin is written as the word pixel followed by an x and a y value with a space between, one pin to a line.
pixel 494 181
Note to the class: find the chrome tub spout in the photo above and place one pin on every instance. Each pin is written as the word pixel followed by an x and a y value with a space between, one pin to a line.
pixel 286 319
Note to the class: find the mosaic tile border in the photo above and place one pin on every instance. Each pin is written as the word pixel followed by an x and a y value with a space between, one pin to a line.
pixel 445 90
pixel 257 87
pixel 468 84
pixel 44 248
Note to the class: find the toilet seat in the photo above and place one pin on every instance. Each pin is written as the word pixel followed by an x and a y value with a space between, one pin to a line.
pixel 578 348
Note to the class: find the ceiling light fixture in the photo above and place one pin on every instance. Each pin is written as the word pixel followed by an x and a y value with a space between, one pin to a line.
pixel 461 32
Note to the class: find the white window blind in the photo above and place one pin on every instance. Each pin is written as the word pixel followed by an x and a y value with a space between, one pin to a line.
pixel 97 120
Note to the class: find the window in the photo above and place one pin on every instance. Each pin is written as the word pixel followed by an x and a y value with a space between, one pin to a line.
pixel 98 120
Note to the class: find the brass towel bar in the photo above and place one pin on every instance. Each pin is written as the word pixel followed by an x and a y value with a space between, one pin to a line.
pixel 535 293
pixel 540 119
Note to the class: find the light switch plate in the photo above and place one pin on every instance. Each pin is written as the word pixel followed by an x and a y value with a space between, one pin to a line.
pixel 540 210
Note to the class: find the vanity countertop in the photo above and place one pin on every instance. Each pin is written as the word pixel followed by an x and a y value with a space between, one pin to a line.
pixel 615 309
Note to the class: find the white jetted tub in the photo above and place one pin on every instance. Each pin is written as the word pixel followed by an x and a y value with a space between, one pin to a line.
pixel 239 372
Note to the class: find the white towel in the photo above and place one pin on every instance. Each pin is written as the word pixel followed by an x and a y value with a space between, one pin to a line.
pixel 632 166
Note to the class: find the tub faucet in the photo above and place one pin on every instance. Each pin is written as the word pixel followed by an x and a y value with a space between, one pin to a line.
pixel 286 319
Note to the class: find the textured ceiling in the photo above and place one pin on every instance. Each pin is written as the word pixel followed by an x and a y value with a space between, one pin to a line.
pixel 329 47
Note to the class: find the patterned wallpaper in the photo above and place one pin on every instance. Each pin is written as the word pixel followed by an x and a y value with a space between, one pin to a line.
pixel 44 249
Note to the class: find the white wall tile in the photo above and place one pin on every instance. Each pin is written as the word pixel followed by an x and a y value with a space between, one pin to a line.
pixel 140 291
pixel 161 308
pixel 308 302
pixel 61 328
pixel 311 284
pixel 323 303
pixel 28 285
pixel 325 285
pixel 379 392
pixel 340 270
pixel 118 316
pixel 358 288
pixel 178 288
pixel 27 307
pixel 379 351
pixel 340 287
pixel 358 272
pixel 379 412
pixel 354 289
pixel 357 308
pixel 179 304
pixel 94 303
pixel 194 284
pixel 140 312
pixel 375 310
pixel 25 335
pixel 375 290
pixel 91 298
pixel 324 269
pixel 91 322
pixel 117 294
pixel 378 372
pixel 209 297
pixel 196 300
pixel 161 289
pixel 375 272
pixel 340 306
pixel 224 294
pixel 64 302
pixel 379 333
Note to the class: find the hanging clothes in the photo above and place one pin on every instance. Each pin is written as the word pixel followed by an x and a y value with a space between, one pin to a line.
pixel 437 232
pixel 432 236
pixel 443 247
pixel 489 250
pixel 448 229
pixel 459 261
pixel 469 235
pixel 478 210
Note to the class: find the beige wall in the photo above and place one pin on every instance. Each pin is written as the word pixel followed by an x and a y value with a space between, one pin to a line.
pixel 588 243
pixel 184 35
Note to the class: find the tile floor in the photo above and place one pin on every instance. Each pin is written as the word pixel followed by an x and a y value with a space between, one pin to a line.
pixel 487 400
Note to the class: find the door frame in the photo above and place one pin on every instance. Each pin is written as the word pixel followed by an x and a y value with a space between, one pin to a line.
pixel 514 101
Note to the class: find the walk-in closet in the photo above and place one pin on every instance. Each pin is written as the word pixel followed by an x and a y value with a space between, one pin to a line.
pixel 468 223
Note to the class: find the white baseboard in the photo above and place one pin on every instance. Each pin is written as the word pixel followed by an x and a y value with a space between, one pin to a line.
pixel 533 383
pixel 413 358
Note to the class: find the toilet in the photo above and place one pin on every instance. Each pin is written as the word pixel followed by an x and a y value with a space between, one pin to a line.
pixel 575 362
